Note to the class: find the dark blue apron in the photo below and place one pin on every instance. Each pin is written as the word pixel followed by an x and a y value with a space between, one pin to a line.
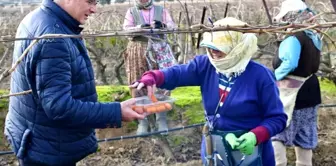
pixel 224 155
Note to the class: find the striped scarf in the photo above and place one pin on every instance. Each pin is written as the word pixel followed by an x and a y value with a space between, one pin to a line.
pixel 225 85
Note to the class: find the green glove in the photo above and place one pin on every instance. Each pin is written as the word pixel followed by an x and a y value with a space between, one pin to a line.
pixel 247 143
pixel 232 140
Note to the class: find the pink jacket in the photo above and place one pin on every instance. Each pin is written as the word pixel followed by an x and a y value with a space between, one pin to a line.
pixel 148 16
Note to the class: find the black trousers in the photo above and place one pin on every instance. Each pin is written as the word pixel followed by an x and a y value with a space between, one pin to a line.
pixel 23 163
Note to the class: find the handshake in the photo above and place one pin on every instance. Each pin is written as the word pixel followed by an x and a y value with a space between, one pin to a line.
pixel 155 24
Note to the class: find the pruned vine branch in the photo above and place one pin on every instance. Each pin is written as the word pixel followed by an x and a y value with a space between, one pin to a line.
pixel 198 28
pixel 16 94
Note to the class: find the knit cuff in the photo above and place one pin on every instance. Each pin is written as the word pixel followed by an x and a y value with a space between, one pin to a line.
pixel 159 77
pixel 261 134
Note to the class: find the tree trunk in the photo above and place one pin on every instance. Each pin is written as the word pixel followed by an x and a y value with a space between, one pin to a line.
pixel 117 69
pixel 101 76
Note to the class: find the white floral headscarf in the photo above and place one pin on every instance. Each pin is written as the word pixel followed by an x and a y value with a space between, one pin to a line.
pixel 238 47
pixel 296 11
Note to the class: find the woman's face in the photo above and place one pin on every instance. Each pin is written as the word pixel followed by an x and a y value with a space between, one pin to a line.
pixel 215 54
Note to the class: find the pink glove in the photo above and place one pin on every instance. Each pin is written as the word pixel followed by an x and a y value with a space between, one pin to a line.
pixel 150 80
pixel 153 77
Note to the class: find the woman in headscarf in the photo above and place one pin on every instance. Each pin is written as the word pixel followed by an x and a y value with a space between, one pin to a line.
pixel 295 66
pixel 240 97
pixel 143 54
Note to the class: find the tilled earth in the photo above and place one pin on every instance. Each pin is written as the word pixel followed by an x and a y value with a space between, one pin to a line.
pixel 186 149
pixel 147 151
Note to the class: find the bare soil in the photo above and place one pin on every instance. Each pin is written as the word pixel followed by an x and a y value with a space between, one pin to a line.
pixel 146 151
pixel 151 150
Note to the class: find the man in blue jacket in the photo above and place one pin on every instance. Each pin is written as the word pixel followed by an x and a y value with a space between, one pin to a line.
pixel 54 125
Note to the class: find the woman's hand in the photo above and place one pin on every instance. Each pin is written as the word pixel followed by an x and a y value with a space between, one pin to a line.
pixel 139 85
pixel 158 24
pixel 248 142
pixel 245 143
pixel 232 140
pixel 144 26
pixel 149 80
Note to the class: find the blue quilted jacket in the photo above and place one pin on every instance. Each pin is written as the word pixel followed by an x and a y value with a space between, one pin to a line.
pixel 55 124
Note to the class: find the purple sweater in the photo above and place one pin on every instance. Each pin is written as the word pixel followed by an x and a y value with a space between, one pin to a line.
pixel 252 102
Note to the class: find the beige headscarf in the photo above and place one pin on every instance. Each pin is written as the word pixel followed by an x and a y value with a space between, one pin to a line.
pixel 238 47
pixel 146 5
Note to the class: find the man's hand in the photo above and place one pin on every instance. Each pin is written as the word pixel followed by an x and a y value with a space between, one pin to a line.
pixel 248 142
pixel 128 114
